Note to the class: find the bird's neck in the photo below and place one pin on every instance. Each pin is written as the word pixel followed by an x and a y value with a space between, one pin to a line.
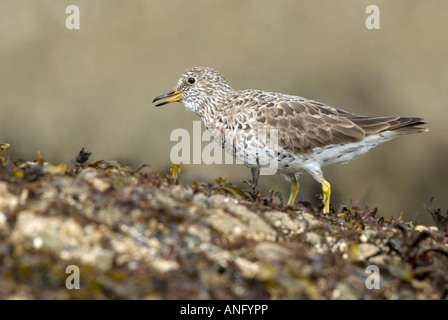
pixel 217 109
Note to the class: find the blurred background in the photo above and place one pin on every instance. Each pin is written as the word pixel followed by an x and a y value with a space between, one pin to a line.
pixel 62 89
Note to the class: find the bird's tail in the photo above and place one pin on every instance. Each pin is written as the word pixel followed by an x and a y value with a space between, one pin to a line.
pixel 373 125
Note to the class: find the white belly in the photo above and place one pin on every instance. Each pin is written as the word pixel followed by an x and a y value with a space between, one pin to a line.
pixel 336 153
pixel 258 153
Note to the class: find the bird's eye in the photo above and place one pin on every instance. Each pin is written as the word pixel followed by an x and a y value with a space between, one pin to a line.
pixel 191 80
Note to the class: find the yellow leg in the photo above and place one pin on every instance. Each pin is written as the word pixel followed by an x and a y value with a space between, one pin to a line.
pixel 294 191
pixel 175 170
pixel 326 190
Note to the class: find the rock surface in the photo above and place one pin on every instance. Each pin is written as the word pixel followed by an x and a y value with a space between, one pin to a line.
pixel 140 235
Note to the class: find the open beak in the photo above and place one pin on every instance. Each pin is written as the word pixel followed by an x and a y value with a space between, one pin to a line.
pixel 174 96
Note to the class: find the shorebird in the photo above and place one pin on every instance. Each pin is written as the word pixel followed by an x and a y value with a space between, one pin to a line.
pixel 298 134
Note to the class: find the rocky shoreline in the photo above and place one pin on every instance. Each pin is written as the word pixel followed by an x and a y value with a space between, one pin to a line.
pixel 143 235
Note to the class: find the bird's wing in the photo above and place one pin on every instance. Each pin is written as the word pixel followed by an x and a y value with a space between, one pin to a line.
pixel 304 124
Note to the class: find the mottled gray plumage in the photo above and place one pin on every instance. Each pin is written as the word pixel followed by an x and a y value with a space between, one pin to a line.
pixel 310 134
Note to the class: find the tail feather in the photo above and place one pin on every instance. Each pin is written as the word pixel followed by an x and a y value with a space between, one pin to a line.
pixel 373 125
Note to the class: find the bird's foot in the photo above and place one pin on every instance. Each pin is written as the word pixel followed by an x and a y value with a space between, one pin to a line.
pixel 294 192
pixel 326 190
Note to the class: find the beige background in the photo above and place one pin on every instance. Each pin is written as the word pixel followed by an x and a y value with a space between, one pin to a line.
pixel 61 89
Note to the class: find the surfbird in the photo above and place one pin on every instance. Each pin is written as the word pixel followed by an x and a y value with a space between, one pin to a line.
pixel 291 134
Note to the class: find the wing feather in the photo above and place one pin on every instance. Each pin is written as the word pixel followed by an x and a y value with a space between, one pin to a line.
pixel 305 124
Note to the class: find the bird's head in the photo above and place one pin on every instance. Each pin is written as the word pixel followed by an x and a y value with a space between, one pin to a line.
pixel 196 88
